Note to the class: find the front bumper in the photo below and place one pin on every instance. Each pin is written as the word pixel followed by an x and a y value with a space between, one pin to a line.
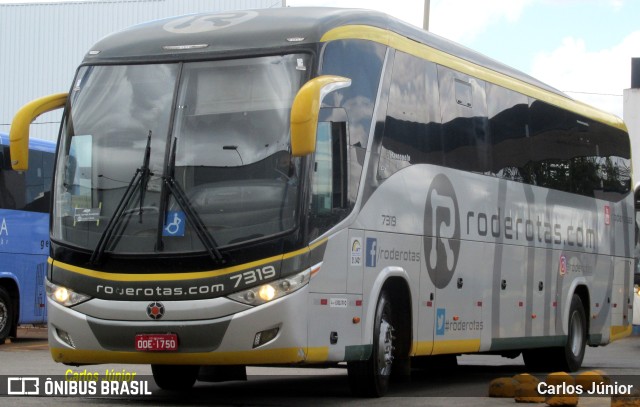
pixel 210 332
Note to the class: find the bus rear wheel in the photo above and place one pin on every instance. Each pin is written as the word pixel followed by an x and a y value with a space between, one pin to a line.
pixel 6 315
pixel 573 351
pixel 175 377
pixel 568 357
pixel 370 378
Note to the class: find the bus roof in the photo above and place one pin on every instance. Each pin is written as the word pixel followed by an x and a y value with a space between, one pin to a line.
pixel 197 36
pixel 34 144
pixel 220 35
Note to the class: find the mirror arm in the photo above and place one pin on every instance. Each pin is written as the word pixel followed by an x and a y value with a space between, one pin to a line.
pixel 19 132
pixel 305 111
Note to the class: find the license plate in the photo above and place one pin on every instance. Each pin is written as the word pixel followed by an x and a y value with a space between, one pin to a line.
pixel 156 342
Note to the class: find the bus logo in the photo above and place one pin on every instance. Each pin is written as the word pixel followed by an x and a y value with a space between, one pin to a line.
pixel 356 252
pixel 213 22
pixel 23 386
pixel 563 265
pixel 155 310
pixel 441 231
pixel 441 314
pixel 371 252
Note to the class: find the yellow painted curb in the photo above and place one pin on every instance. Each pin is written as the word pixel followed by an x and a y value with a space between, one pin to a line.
pixel 528 393
pixel 564 386
pixel 503 387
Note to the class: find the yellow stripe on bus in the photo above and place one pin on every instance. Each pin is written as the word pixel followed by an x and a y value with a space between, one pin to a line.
pixel 446 347
pixel 423 51
pixel 252 357
pixel 180 276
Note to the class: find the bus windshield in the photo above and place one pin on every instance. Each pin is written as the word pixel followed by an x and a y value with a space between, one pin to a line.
pixel 218 131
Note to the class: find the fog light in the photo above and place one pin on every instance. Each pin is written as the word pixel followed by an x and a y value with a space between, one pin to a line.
pixel 65 337
pixel 265 336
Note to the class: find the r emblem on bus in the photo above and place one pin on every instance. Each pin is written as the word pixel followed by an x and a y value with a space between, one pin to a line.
pixel 441 231
pixel 155 310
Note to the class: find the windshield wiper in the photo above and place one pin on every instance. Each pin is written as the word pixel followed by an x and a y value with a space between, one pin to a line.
pixel 140 179
pixel 192 215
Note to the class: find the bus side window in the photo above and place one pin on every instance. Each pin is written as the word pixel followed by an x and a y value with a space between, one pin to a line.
pixel 10 181
pixel 329 203
pixel 35 199
pixel 47 166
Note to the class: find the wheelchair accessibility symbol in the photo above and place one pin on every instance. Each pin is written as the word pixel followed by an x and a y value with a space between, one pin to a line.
pixel 174 224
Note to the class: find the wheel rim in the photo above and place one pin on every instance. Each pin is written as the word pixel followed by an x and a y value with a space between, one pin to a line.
pixel 577 334
pixel 4 316
pixel 385 348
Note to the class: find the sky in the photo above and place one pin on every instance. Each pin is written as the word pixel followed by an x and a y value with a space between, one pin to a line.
pixel 581 47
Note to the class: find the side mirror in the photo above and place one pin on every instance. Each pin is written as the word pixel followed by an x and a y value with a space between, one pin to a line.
pixel 19 132
pixel 305 110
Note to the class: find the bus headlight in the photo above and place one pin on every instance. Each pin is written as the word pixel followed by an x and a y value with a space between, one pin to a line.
pixel 273 290
pixel 63 295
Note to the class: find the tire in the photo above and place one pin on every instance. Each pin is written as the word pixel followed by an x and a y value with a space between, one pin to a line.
pixel 370 378
pixel 566 358
pixel 175 377
pixel 573 351
pixel 7 315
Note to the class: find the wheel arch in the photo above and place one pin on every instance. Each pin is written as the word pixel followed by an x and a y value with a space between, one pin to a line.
pixel 395 281
pixel 582 291
pixel 579 287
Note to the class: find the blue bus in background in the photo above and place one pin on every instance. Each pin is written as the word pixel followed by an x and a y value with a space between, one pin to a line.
pixel 24 236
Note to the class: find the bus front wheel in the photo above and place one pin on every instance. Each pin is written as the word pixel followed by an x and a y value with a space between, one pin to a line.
pixel 6 315
pixel 175 377
pixel 370 378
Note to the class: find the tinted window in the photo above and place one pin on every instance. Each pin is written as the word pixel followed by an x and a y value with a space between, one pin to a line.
pixel 465 135
pixel 361 61
pixel 412 127
pixel 575 154
pixel 29 190
pixel 508 120
pixel 329 204
pixel 495 131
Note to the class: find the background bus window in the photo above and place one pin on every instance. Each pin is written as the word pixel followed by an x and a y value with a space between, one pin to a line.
pixel 8 179
pixel 28 190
